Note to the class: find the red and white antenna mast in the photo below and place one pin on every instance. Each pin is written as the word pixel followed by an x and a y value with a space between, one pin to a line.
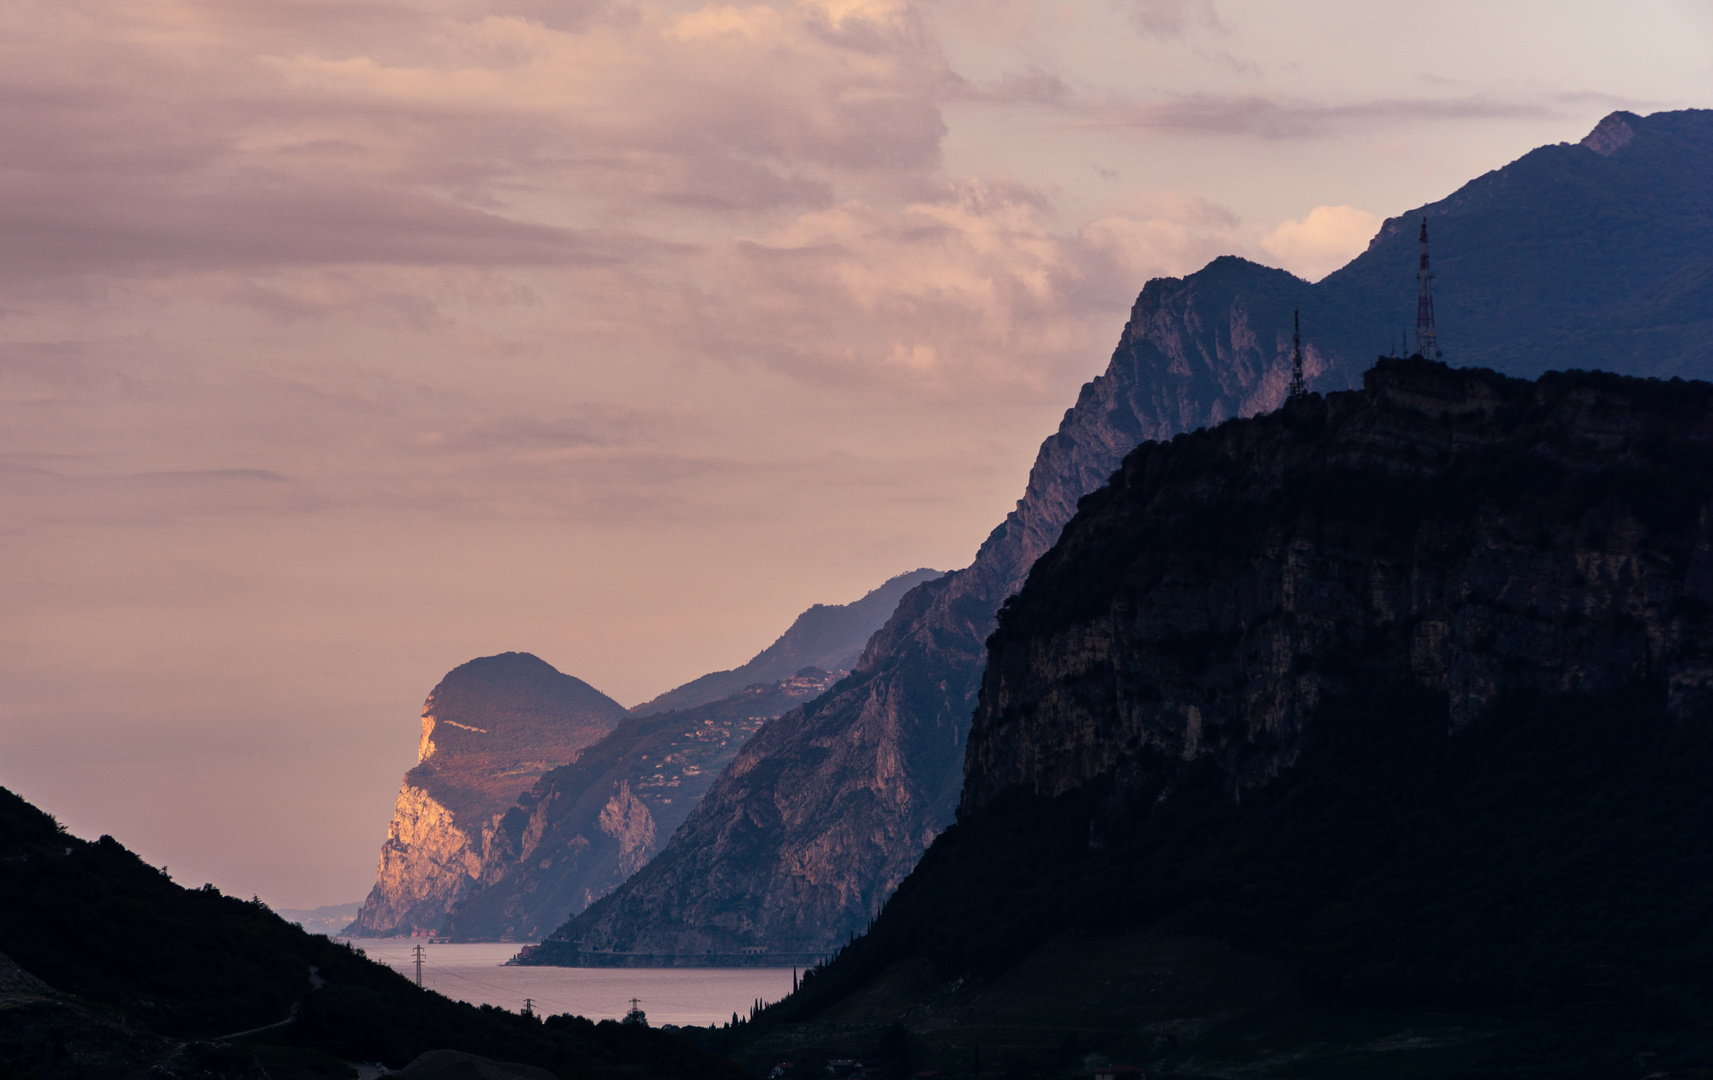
pixel 1427 343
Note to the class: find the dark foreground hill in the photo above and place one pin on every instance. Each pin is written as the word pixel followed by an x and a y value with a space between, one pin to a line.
pixel 1593 254
pixel 1369 737
pixel 146 977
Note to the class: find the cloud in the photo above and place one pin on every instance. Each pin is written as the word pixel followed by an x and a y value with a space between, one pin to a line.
pixel 159 139
pixel 1325 240
pixel 974 290
pixel 1170 18
pixel 1275 116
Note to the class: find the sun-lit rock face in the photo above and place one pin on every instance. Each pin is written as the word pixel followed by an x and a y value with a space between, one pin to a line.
pixel 490 730
pixel 626 819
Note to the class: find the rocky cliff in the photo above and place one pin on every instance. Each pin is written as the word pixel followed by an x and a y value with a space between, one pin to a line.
pixel 490 730
pixel 1451 530
pixel 1589 253
pixel 584 828
pixel 826 636
pixel 1366 737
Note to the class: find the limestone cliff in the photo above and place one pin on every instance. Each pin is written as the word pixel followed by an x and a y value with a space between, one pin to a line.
pixel 584 828
pixel 490 729
pixel 1574 253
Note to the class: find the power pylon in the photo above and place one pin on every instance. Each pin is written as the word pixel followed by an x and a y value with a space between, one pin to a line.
pixel 418 953
pixel 1427 340
pixel 1299 385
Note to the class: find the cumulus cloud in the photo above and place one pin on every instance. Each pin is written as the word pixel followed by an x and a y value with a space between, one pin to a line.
pixel 1321 242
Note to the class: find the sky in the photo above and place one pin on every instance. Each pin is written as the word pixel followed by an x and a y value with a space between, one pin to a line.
pixel 342 341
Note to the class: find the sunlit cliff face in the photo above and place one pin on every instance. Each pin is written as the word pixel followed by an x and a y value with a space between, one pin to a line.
pixel 425 747
pixel 361 339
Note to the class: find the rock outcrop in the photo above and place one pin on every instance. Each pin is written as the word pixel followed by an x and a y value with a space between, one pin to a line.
pixel 1452 530
pixel 490 730
pixel 827 636
pixel 584 828
pixel 1573 254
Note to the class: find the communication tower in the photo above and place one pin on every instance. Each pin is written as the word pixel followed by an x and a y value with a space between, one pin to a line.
pixel 1427 343
pixel 1299 385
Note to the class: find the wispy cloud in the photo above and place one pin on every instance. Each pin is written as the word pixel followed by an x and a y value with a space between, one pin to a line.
pixel 1278 117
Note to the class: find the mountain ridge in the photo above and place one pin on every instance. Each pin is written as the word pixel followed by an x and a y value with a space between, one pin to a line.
pixel 1195 351
pixel 826 636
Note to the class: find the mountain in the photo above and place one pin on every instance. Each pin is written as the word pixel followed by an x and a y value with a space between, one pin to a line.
pixel 109 969
pixel 827 636
pixel 328 919
pixel 490 729
pixel 585 827
pixel 1366 737
pixel 1599 252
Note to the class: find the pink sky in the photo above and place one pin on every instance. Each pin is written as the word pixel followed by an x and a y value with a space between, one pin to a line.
pixel 341 342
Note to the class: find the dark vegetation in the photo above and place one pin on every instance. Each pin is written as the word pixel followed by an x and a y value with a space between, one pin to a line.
pixel 93 920
pixel 1550 865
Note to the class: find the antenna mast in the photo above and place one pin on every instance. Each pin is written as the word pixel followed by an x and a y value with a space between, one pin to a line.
pixel 1427 343
pixel 1299 386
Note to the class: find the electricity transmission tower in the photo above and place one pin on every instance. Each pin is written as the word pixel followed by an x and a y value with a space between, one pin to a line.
pixel 1427 338
pixel 1299 385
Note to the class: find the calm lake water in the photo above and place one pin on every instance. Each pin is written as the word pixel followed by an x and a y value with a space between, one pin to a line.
pixel 475 973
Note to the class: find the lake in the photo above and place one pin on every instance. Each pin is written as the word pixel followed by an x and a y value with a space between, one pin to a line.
pixel 683 996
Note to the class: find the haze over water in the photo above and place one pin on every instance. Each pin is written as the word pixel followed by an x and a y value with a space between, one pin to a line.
pixel 684 996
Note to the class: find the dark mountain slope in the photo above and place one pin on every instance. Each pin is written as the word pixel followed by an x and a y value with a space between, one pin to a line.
pixel 1569 257
pixel 827 636
pixel 1404 692
pixel 1596 251
pixel 153 964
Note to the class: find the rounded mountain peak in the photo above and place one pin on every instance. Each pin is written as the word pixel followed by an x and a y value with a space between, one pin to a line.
pixel 513 702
